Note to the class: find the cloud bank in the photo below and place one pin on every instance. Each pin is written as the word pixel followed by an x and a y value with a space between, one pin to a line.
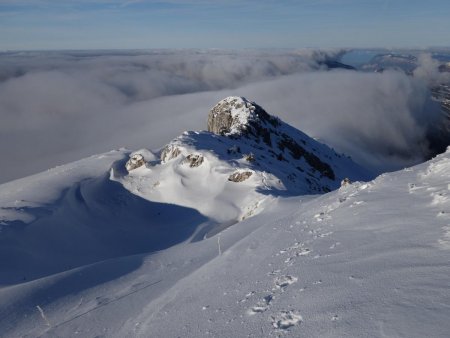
pixel 381 120
pixel 57 107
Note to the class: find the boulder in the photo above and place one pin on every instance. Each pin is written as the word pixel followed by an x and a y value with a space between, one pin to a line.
pixel 135 161
pixel 240 176
pixel 230 115
pixel 169 152
pixel 194 160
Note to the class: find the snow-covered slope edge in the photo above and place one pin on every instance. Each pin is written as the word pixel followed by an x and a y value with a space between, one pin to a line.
pixel 369 260
pixel 74 215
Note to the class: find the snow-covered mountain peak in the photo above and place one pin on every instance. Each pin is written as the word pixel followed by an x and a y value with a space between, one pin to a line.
pixel 246 156
pixel 249 125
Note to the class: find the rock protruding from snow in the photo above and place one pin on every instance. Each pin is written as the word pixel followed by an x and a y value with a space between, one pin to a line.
pixel 135 161
pixel 346 181
pixel 227 116
pixel 169 152
pixel 239 176
pixel 236 115
pixel 194 160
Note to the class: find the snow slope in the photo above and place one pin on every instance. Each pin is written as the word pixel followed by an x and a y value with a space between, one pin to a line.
pixel 92 252
pixel 369 260
pixel 75 215
pixel 196 186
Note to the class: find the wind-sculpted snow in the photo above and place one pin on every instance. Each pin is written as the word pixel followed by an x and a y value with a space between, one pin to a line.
pixel 195 187
pixel 92 220
pixel 370 259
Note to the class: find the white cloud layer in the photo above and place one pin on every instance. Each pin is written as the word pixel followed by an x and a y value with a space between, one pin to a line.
pixel 58 107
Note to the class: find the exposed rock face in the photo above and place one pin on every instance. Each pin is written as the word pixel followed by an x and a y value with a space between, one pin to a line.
pixel 223 116
pixel 240 176
pixel 238 117
pixel 135 161
pixel 194 160
pixel 169 152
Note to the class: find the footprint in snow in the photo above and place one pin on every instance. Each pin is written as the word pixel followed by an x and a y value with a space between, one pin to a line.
pixel 439 198
pixel 286 319
pixel 289 261
pixel 301 252
pixel 284 281
pixel 273 272
pixel 325 234
pixel 262 305
pixel 298 249
pixel 247 296
pixel 321 216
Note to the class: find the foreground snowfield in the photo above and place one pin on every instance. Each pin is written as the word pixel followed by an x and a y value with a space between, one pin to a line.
pixel 368 260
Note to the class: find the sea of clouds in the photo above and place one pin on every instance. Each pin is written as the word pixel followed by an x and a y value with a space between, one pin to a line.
pixel 56 107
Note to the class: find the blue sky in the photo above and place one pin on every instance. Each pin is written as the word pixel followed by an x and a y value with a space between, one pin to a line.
pixel 111 24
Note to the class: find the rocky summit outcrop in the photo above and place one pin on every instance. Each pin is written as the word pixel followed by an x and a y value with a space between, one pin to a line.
pixel 244 141
pixel 236 117
pixel 135 161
